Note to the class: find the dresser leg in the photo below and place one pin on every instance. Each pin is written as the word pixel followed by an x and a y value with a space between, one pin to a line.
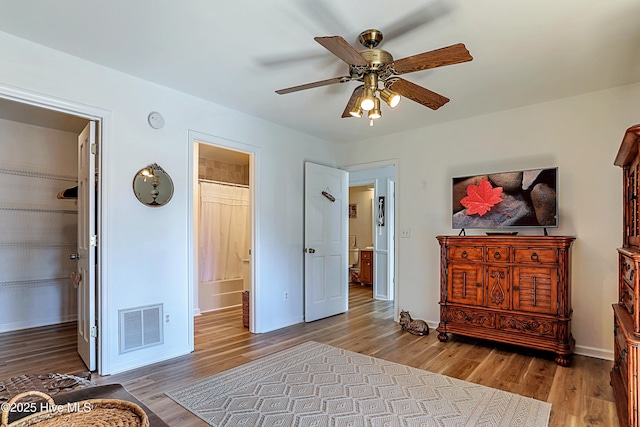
pixel 443 337
pixel 563 360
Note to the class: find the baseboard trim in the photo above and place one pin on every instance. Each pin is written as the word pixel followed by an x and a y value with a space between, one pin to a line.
pixel 36 323
pixel 598 353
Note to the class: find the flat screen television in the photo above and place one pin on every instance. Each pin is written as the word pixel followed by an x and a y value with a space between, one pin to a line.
pixel 518 199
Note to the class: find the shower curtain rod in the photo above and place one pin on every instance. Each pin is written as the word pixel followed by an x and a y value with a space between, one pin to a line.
pixel 230 184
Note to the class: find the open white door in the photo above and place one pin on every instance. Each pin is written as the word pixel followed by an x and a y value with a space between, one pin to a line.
pixel 86 247
pixel 326 200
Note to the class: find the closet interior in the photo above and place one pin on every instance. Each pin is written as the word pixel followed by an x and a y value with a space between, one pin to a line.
pixel 38 218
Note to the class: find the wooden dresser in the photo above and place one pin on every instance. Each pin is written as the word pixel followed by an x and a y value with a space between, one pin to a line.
pixel 511 289
pixel 624 375
pixel 366 267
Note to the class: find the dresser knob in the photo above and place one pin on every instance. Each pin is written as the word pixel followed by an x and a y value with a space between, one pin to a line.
pixel 464 254
pixel 497 255
pixel 534 257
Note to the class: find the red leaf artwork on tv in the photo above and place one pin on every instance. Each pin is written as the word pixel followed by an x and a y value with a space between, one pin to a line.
pixel 481 198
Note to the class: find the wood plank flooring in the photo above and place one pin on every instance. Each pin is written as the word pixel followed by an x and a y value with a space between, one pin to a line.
pixel 580 395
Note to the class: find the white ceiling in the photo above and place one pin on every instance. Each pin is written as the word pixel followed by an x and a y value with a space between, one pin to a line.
pixel 237 53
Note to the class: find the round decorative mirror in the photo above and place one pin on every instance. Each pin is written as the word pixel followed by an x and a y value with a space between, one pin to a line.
pixel 153 186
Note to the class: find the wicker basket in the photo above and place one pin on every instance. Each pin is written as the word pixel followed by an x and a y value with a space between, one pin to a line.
pixel 86 413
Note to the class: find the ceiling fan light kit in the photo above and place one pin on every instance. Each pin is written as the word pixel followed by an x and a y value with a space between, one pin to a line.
pixel 391 98
pixel 372 66
pixel 375 112
pixel 368 98
pixel 356 111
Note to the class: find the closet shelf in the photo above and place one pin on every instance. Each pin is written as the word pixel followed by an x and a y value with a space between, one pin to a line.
pixel 41 175
pixel 35 283
pixel 58 211
pixel 37 245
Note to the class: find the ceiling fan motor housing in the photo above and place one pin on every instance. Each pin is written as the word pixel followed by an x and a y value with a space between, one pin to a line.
pixel 378 60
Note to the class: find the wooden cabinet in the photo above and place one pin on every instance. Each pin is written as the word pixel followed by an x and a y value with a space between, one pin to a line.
pixel 628 283
pixel 624 375
pixel 512 289
pixel 366 267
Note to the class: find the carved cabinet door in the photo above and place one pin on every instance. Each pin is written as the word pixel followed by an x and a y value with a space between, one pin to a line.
pixel 465 284
pixel 497 287
pixel 535 289
pixel 631 203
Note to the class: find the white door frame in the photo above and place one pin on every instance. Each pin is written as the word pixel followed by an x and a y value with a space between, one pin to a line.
pixel 103 120
pixel 192 214
pixel 378 165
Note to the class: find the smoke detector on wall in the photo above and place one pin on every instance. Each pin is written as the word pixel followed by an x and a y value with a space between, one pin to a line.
pixel 155 120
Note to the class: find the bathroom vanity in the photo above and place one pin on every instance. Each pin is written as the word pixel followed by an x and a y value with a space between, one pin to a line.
pixel 366 266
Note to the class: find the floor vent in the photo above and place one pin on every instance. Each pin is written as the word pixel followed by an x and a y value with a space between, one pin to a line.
pixel 140 327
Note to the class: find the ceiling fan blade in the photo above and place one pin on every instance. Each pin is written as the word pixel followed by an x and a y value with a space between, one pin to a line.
pixel 449 55
pixel 417 93
pixel 415 19
pixel 342 79
pixel 342 49
pixel 352 101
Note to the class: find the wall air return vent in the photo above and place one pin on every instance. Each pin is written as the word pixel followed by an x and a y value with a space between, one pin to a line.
pixel 140 327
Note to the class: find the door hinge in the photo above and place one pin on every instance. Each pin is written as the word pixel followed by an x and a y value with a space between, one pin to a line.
pixel 94 332
pixel 94 240
pixel 94 148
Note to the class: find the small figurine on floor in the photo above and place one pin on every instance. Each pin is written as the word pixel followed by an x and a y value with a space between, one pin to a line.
pixel 416 327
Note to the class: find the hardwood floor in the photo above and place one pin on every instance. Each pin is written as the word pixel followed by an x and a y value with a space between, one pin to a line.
pixel 580 395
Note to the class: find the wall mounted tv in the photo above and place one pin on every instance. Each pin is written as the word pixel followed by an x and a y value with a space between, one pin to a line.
pixel 518 199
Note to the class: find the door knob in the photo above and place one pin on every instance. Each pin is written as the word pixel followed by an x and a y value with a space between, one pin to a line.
pixel 74 256
pixel 310 250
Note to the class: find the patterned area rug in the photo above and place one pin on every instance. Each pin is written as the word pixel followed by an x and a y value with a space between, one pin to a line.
pixel 314 384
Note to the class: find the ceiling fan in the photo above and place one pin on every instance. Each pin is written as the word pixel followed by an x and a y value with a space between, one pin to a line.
pixel 376 67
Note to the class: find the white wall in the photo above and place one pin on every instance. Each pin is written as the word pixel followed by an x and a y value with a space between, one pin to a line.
pixel 37 230
pixel 146 249
pixel 579 135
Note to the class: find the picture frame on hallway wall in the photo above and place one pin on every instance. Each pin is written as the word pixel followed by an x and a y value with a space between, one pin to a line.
pixel 353 211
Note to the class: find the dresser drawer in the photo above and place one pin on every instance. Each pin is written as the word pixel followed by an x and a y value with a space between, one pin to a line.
pixel 497 254
pixel 536 255
pixel 528 325
pixel 627 299
pixel 465 253
pixel 471 317
pixel 366 255
pixel 628 271
pixel 621 362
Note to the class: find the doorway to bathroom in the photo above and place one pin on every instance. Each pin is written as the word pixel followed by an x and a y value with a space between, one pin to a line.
pixel 223 230
pixel 372 229
pixel 361 232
